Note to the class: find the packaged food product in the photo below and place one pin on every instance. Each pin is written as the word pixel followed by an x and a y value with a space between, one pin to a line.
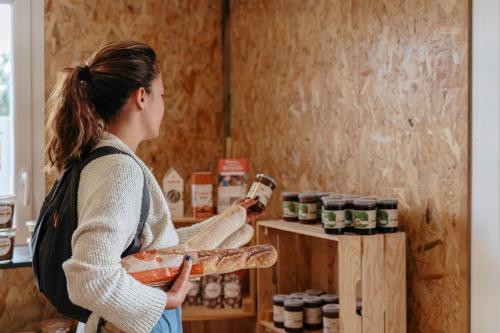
pixel 290 206
pixel 202 194
pixel 262 188
pixel 173 189
pixel 212 295
pixel 7 204
pixel 232 290
pixel 294 315
pixel 233 179
pixel 7 237
pixel 193 296
pixel 387 215
pixel 279 310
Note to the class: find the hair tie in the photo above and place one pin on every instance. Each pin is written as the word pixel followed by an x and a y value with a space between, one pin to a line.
pixel 84 74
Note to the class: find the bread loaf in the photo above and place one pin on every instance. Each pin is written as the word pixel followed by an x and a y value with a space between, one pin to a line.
pixel 156 269
pixel 241 237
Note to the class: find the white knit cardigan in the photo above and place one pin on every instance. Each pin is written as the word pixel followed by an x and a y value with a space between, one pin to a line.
pixel 109 206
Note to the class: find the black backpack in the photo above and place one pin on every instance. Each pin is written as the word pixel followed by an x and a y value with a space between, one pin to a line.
pixel 51 240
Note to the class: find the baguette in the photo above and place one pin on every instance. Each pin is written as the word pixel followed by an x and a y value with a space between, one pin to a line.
pixel 241 237
pixel 205 262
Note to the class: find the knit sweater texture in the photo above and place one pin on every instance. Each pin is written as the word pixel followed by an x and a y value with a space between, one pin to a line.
pixel 109 206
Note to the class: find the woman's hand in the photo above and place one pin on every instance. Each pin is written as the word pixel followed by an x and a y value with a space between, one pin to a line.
pixel 251 215
pixel 178 292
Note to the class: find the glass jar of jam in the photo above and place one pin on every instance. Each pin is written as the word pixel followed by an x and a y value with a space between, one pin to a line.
pixel 294 315
pixel 327 197
pixel 319 210
pixel 262 187
pixel 330 299
pixel 308 207
pixel 314 292
pixel 334 216
pixel 279 310
pixel 7 237
pixel 349 207
pixel 387 215
pixel 298 295
pixel 331 323
pixel 290 206
pixel 7 204
pixel 365 216
pixel 312 313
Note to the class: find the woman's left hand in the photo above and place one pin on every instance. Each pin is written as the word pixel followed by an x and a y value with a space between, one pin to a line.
pixel 251 215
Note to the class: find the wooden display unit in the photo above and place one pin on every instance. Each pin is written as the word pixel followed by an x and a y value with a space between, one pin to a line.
pixel 370 269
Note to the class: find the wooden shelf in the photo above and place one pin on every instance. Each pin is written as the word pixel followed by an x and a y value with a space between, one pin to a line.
pixel 269 327
pixel 200 312
pixel 187 220
pixel 313 230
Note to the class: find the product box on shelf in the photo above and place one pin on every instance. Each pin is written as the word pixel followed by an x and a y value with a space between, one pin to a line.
pixel 232 184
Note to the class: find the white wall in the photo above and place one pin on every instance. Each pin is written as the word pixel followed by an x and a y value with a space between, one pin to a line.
pixel 485 212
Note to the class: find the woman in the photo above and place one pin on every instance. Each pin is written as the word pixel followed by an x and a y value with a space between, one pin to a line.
pixel 116 100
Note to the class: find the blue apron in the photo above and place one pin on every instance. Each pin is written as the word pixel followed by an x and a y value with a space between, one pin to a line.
pixel 170 322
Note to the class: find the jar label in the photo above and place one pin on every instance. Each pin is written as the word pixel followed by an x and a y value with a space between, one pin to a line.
pixel 308 211
pixel 278 313
pixel 294 319
pixel 195 289
pixel 289 209
pixel 232 290
pixel 387 218
pixel 5 214
pixel 5 245
pixel 348 217
pixel 365 219
pixel 334 219
pixel 262 191
pixel 212 290
pixel 313 316
pixel 331 325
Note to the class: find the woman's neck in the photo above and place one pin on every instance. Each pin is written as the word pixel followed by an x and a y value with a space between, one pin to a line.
pixel 125 135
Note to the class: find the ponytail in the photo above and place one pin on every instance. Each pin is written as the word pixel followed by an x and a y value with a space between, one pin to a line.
pixel 73 124
pixel 85 98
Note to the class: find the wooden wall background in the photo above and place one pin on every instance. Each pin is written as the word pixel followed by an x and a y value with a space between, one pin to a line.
pixel 367 97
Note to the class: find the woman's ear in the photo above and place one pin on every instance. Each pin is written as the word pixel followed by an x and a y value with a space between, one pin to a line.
pixel 139 98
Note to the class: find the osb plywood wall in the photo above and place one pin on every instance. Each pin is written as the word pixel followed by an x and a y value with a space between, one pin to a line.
pixel 22 307
pixel 367 97
pixel 186 36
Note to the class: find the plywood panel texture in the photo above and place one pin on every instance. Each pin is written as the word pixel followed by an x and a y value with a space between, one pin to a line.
pixel 186 36
pixel 367 97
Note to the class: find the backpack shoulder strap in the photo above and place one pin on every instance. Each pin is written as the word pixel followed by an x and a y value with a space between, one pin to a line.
pixel 146 200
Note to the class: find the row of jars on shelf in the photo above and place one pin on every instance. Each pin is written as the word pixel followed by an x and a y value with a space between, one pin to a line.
pixel 341 213
pixel 310 310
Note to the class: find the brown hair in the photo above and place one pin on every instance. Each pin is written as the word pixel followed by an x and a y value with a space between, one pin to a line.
pixel 86 97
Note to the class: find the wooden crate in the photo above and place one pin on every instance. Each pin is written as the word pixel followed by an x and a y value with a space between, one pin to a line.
pixel 366 268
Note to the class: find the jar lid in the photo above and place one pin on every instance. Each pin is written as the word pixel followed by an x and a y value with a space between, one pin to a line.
pixel 365 202
pixel 312 300
pixel 331 308
pixel 308 196
pixel 368 198
pixel 290 195
pixel 271 179
pixel 330 298
pixel 7 199
pixel 294 302
pixel 298 295
pixel 387 201
pixel 11 232
pixel 334 202
pixel 314 292
pixel 279 298
pixel 323 194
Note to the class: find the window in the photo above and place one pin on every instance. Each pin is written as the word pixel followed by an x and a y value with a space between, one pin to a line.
pixel 22 108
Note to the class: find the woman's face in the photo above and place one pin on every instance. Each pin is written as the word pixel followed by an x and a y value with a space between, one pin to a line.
pixel 154 108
